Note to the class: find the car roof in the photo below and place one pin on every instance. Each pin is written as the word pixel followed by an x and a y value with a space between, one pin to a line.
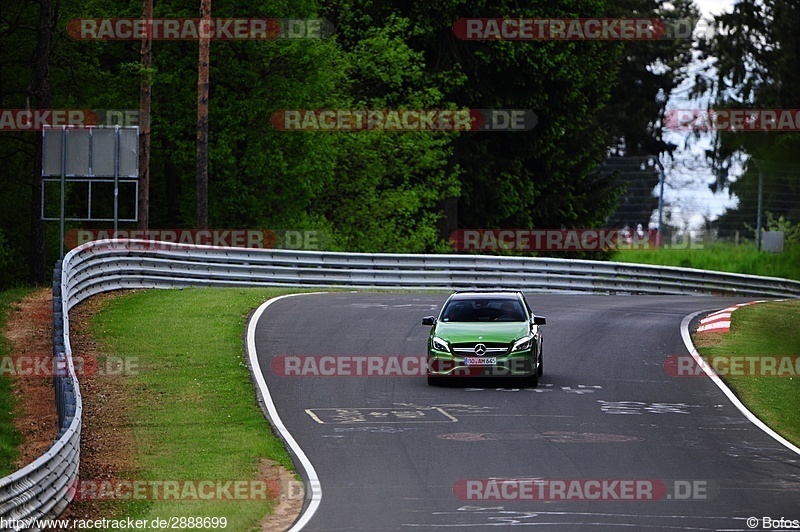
pixel 499 294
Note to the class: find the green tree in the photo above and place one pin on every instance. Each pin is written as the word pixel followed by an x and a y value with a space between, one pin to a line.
pixel 387 186
pixel 538 178
pixel 756 65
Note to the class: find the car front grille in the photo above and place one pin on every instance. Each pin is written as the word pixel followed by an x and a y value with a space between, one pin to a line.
pixel 492 348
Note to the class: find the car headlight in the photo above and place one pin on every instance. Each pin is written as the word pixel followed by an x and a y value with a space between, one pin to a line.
pixel 523 344
pixel 439 344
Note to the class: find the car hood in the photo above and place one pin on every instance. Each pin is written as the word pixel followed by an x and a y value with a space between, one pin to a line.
pixel 458 332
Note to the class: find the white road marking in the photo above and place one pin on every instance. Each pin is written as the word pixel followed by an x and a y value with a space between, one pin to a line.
pixel 687 340
pixel 275 419
pixel 380 415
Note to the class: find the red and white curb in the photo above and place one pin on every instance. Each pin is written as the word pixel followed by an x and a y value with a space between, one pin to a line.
pixel 687 341
pixel 720 321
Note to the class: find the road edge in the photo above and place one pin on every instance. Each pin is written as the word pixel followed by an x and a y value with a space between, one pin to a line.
pixel 312 480
pixel 687 340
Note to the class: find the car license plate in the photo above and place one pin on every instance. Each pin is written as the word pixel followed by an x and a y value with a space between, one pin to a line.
pixel 473 361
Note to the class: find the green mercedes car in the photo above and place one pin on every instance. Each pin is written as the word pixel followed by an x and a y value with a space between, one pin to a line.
pixel 489 334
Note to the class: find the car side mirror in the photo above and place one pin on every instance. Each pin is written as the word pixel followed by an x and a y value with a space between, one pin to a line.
pixel 428 320
pixel 539 320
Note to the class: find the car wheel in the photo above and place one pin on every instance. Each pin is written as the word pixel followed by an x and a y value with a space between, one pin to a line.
pixel 540 371
pixel 533 380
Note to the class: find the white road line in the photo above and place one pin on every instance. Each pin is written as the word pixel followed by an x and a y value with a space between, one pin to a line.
pixel 687 340
pixel 274 418
pixel 314 416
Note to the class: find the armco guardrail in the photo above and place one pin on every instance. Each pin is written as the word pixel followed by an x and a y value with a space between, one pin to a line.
pixel 42 488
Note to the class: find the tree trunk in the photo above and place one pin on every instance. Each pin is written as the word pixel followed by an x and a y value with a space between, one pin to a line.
pixel 39 98
pixel 145 95
pixel 202 122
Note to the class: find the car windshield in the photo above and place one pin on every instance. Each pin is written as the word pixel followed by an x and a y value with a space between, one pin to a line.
pixel 483 309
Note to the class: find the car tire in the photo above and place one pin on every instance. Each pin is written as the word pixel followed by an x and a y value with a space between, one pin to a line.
pixel 540 371
pixel 434 381
pixel 533 380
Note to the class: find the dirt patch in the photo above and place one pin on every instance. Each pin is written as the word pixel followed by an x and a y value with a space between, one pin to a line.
pixel 290 499
pixel 29 328
pixel 708 338
pixel 108 447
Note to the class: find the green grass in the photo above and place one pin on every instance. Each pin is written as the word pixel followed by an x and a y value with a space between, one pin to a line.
pixel 765 329
pixel 744 258
pixel 192 404
pixel 10 437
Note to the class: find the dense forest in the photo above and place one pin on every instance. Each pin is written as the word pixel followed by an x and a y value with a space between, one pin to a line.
pixel 370 191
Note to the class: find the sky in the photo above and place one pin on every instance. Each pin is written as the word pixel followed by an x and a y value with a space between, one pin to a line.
pixel 688 175
pixel 713 7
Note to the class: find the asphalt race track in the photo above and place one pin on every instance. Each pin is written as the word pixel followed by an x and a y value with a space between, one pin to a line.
pixel 392 453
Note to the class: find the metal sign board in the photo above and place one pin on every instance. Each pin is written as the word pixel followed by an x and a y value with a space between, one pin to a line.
pixel 128 152
pixel 104 152
pixel 97 160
